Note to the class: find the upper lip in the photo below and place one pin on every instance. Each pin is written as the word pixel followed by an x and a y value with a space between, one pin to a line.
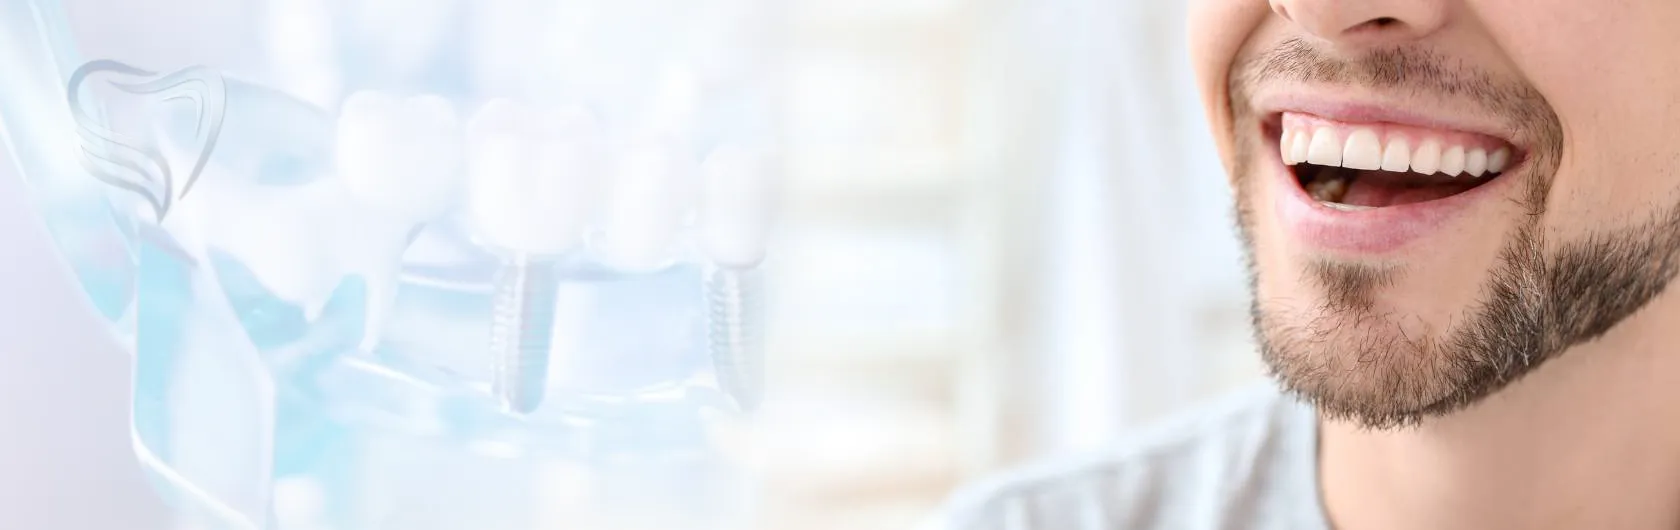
pixel 1271 105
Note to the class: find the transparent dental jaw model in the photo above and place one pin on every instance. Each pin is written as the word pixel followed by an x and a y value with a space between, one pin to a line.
pixel 408 309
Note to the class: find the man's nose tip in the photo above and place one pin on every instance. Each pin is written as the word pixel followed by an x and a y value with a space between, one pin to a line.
pixel 1365 23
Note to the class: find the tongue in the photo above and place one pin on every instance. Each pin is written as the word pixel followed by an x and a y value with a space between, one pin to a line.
pixel 1383 188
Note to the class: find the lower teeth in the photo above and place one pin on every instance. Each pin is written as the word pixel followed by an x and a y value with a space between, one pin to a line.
pixel 1328 189
pixel 1344 207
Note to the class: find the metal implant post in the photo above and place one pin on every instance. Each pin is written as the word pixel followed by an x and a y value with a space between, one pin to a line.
pixel 521 331
pixel 526 198
pixel 733 209
pixel 734 334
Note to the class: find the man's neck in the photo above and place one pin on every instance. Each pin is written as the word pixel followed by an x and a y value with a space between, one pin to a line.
pixel 1592 440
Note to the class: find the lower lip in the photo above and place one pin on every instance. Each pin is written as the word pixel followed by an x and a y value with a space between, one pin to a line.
pixel 1373 231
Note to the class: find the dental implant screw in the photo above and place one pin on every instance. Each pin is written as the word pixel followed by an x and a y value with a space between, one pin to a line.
pixel 528 196
pixel 734 210
pixel 521 331
pixel 734 334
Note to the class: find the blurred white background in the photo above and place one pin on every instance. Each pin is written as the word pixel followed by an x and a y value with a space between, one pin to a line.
pixel 1009 236
pixel 1006 235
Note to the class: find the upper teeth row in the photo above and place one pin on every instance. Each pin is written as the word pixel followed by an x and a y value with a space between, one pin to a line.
pixel 1362 149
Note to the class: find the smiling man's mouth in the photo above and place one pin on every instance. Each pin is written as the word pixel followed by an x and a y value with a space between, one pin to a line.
pixel 1359 166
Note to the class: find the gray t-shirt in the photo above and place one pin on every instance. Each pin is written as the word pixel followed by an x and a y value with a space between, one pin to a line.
pixel 1248 461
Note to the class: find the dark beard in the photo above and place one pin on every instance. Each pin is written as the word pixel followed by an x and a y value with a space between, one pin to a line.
pixel 1356 364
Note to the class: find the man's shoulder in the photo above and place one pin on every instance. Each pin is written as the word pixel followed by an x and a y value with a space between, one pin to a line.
pixel 1246 459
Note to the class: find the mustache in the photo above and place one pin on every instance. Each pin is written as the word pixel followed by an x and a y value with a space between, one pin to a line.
pixel 1410 69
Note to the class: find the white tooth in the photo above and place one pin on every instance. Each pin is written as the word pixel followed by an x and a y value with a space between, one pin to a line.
pixel 1325 150
pixel 1298 147
pixel 1452 161
pixel 400 156
pixel 1283 148
pixel 652 191
pixel 1427 158
pixel 735 205
pixel 1497 160
pixel 531 174
pixel 1363 150
pixel 1398 156
pixel 1475 162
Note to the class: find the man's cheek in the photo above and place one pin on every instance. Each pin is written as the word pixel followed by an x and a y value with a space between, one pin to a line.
pixel 1219 30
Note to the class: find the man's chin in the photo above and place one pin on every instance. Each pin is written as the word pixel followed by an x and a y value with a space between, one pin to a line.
pixel 1386 344
pixel 1368 372
pixel 1356 366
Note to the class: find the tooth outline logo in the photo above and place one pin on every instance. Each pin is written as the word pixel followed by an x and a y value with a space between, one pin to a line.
pixel 148 173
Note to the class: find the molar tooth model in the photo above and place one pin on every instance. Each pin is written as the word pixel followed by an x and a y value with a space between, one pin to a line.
pixel 650 194
pixel 400 158
pixel 529 195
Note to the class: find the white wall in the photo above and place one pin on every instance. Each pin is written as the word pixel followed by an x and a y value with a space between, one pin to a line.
pixel 1120 280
